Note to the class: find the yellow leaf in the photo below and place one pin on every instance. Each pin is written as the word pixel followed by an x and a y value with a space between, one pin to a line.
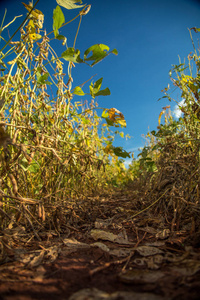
pixel 37 14
pixel 111 113
pixel 122 122
pixel 70 129
pixel 107 149
pixel 160 115
pixel 116 116
pixel 31 30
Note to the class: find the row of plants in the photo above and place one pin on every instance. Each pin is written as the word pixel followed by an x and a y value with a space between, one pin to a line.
pixel 54 147
pixel 168 166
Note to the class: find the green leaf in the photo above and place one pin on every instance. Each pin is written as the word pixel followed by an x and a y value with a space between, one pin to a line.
pixel 119 151
pixel 69 4
pixel 85 121
pixel 34 167
pixel 105 92
pixel 42 79
pixel 99 52
pixel 105 115
pixel 58 20
pixel 24 164
pixel 38 188
pixel 109 122
pixel 95 89
pixel 60 37
pixel 72 55
pixel 97 85
pixel 179 68
pixel 78 91
pixel 114 51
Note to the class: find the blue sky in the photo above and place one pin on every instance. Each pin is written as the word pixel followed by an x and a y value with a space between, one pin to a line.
pixel 149 36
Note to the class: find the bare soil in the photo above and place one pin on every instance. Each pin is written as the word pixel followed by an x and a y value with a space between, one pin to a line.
pixel 141 262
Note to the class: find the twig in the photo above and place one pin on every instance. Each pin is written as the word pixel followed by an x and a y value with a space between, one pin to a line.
pixel 149 205
pixel 30 201
pixel 107 265
pixel 132 253
pixel 37 236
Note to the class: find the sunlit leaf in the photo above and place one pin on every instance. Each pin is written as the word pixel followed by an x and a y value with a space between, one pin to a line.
pixel 36 14
pixel 121 122
pixel 160 115
pixel 95 89
pixel 32 30
pixel 42 79
pixel 114 117
pixel 69 4
pixel 97 85
pixel 105 92
pixel 85 121
pixel 121 134
pixel 58 20
pixel 98 52
pixel 72 55
pixel 78 91
pixel 105 114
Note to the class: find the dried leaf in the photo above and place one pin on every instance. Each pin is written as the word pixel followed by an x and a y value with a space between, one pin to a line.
pixel 148 250
pixel 73 243
pixel 108 236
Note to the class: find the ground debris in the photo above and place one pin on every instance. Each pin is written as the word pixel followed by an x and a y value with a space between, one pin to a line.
pixel 115 256
pixel 95 294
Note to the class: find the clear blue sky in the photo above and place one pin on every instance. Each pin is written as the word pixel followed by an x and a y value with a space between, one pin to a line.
pixel 148 34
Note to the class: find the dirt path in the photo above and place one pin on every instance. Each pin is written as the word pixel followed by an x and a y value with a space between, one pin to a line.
pixel 101 253
pixel 147 269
